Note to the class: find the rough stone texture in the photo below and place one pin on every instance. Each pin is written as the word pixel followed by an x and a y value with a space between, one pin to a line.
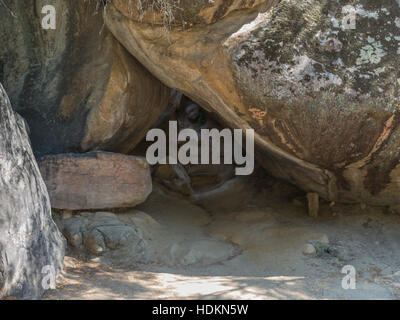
pixel 308 249
pixel 323 100
pixel 29 239
pixel 103 234
pixel 77 87
pixel 97 180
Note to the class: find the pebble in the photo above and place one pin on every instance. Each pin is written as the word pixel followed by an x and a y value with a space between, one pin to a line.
pixel 309 249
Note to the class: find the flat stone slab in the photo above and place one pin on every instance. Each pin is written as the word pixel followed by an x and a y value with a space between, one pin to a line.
pixel 96 180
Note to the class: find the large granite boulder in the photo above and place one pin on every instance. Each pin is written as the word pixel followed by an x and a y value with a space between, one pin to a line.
pixel 31 247
pixel 322 95
pixel 96 180
pixel 76 86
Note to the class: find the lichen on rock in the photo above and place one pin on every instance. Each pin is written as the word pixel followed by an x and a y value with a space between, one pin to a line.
pixel 299 48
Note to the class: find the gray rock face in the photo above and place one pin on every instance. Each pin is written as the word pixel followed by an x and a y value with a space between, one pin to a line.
pixel 103 235
pixel 29 239
pixel 97 180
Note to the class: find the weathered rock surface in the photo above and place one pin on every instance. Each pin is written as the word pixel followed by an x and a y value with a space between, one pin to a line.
pixel 323 99
pixel 29 239
pixel 133 236
pixel 102 234
pixel 77 87
pixel 96 180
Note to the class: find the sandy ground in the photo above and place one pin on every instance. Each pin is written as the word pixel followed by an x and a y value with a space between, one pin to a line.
pixel 257 254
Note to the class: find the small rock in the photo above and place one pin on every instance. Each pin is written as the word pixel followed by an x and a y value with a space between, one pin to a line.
pixel 309 249
pixel 330 251
pixel 322 248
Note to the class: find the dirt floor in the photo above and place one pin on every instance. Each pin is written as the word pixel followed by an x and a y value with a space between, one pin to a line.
pixel 252 252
